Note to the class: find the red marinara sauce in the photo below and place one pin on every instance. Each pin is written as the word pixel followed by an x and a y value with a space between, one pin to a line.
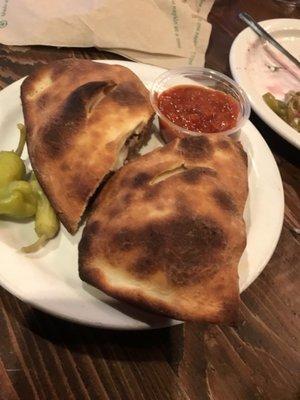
pixel 199 109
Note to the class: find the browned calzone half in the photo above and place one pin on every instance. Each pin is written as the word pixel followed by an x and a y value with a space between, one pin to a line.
pixel 167 231
pixel 79 115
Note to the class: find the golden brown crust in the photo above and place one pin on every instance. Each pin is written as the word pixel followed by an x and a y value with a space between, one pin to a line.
pixel 226 314
pixel 78 115
pixel 167 232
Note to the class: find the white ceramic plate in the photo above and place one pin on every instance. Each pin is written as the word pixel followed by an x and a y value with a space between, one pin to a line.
pixel 49 280
pixel 252 65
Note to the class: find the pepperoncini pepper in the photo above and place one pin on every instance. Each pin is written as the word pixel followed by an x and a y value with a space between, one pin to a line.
pixel 17 200
pixel 12 167
pixel 46 221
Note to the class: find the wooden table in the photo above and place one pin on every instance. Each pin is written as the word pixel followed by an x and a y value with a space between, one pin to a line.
pixel 42 357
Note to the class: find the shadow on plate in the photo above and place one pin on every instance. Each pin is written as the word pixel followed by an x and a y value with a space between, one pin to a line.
pixel 149 318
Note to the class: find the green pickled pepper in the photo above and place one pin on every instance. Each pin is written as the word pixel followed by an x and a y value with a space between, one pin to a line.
pixel 17 200
pixel 46 221
pixel 12 167
pixel 287 109
pixel 271 101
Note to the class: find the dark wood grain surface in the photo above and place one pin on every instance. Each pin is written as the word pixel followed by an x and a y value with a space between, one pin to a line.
pixel 42 357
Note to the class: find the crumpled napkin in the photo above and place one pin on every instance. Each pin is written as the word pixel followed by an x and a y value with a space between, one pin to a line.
pixel 167 33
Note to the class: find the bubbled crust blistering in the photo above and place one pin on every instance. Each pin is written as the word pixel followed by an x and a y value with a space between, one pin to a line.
pixel 78 114
pixel 172 246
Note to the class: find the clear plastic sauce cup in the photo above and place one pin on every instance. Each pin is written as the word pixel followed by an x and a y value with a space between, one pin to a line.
pixel 202 77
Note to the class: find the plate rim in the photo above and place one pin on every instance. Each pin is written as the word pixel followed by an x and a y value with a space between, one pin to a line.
pixel 170 322
pixel 237 49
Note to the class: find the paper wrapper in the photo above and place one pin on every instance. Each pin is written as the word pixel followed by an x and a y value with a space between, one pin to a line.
pixel 167 33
